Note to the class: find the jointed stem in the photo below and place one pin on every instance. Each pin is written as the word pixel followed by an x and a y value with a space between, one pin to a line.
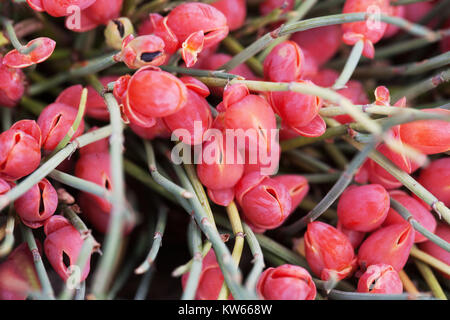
pixel 52 163
pixel 350 65
pixel 258 259
pixel 430 279
pixel 397 206
pixel 236 225
pixel 430 260
pixel 113 238
pixel 157 239
pixel 195 242
pixel 39 265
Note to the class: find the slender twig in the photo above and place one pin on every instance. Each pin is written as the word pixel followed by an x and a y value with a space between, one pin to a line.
pixel 430 279
pixel 159 178
pixel 289 28
pixel 295 15
pixel 114 235
pixel 39 265
pixel 92 66
pixel 8 242
pixel 258 259
pixel 336 154
pixel 397 206
pixel 312 161
pixel 238 231
pixel 195 244
pixel 344 295
pixel 80 184
pixel 231 272
pixel 419 88
pixel 6 118
pixel 430 260
pixel 52 163
pixel 144 285
pixel 157 240
pixel 234 47
pixel 408 285
pixel 350 65
pixel 407 181
pixel 179 271
pixel 334 192
pixel 13 37
pixel 199 72
pixel 308 89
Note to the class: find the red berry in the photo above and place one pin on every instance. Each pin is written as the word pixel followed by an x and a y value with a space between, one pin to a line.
pixel 428 136
pixel 197 26
pixel 442 231
pixel 286 282
pixel 417 210
pixel 157 25
pixel 18 274
pixel 59 8
pixel 100 12
pixel 380 278
pixel 37 204
pixel 219 171
pixel 328 251
pixel 296 185
pixel 329 38
pixel 147 50
pixel 363 208
pixel 63 242
pixel 55 122
pixel 20 150
pixel 284 63
pixel 369 31
pixel 299 111
pixel 389 245
pixel 210 281
pixel 265 202
pixel 15 59
pixel 195 117
pixel 436 179
pixel 12 85
pixel 234 10
pixel 150 93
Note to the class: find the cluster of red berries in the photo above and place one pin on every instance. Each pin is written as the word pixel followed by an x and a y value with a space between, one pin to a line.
pixel 370 240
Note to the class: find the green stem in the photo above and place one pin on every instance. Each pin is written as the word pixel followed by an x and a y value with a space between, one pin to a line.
pixel 195 242
pixel 430 260
pixel 258 259
pixel 92 66
pixel 407 181
pixel 144 285
pixel 80 184
pixel 229 269
pixel 13 37
pixel 350 65
pixel 430 279
pixel 52 163
pixel 157 240
pixel 6 118
pixel 199 72
pixel 397 206
pixel 114 235
pixel 159 178
pixel 238 231
pixel 334 193
pixel 419 88
pixel 8 242
pixel 234 47
pixel 336 154
pixel 295 15
pixel 39 265
pixel 289 28
pixel 312 161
